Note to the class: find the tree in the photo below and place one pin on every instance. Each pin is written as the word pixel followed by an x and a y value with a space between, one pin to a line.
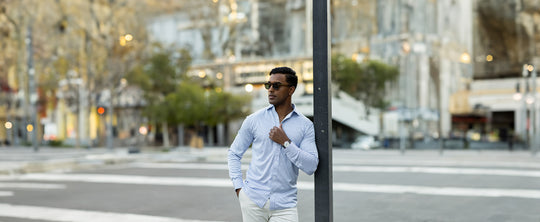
pixel 366 81
pixel 224 107
pixel 186 105
pixel 175 98
pixel 84 33
pixel 158 76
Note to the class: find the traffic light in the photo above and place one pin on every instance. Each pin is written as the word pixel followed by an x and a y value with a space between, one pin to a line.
pixel 101 110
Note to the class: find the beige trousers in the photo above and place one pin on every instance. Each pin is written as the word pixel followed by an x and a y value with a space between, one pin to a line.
pixel 253 213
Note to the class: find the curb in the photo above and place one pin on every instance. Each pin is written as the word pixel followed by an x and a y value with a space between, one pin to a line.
pixel 62 165
pixel 23 161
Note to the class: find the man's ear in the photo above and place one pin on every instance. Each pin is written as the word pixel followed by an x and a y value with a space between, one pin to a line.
pixel 291 90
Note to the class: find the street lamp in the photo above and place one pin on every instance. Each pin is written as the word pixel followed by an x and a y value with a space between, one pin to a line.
pixel 124 39
pixel 29 127
pixel 8 125
pixel 529 113
pixel 406 47
pixel 489 58
pixel 128 37
pixel 465 58
pixel 249 88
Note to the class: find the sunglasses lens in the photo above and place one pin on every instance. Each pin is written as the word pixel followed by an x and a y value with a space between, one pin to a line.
pixel 276 85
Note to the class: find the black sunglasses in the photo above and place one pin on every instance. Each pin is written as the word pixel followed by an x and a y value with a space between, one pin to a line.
pixel 276 85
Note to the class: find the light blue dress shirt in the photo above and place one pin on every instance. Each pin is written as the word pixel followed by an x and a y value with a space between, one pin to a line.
pixel 273 170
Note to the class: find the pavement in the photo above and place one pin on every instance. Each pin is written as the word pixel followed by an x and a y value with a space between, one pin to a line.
pixel 21 160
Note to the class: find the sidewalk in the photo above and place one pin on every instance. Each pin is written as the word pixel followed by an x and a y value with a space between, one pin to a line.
pixel 20 160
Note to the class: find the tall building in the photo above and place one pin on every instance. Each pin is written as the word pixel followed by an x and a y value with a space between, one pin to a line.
pixel 431 43
pixel 505 80
pixel 243 40
pixel 460 61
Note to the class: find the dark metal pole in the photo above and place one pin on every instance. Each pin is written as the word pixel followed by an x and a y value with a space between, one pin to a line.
pixel 322 109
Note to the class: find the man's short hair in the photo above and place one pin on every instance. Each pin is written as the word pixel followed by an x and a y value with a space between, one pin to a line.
pixel 290 75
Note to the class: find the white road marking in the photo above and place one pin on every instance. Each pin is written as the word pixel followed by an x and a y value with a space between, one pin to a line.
pixel 438 170
pixel 374 169
pixel 447 163
pixel 347 187
pixel 32 185
pixel 187 166
pixel 6 193
pixel 444 191
pixel 58 214
pixel 125 179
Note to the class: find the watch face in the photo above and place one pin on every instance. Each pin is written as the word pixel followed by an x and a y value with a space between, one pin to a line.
pixel 286 144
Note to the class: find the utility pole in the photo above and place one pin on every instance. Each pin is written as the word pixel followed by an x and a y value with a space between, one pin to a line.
pixel 322 111
pixel 532 122
pixel 109 120
pixel 32 89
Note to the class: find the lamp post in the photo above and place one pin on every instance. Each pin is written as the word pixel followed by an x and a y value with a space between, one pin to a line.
pixel 110 117
pixel 405 111
pixel 123 41
pixel 531 100
pixel 32 89
pixel 521 97
pixel 529 111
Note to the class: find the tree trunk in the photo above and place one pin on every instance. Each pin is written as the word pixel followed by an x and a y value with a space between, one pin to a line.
pixel 381 128
pixel 211 136
pixel 221 134
pixel 165 129
pixel 180 135
pixel 90 88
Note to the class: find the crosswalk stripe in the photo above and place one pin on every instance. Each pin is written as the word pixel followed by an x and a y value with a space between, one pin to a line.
pixel 32 185
pixel 126 179
pixel 6 193
pixel 346 187
pixel 187 166
pixel 439 163
pixel 374 169
pixel 425 190
pixel 59 214
pixel 438 170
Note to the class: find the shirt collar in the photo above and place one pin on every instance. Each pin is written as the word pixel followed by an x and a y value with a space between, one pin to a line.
pixel 272 107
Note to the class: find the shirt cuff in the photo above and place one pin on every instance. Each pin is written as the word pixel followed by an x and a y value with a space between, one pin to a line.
pixel 292 149
pixel 238 183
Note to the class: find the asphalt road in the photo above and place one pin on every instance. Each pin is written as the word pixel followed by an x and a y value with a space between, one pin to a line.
pixel 368 186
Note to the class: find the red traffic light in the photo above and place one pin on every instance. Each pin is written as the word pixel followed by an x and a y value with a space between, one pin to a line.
pixel 101 110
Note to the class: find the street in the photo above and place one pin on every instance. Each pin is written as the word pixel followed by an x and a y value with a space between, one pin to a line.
pixel 377 185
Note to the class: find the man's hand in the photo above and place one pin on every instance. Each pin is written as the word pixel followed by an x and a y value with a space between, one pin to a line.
pixel 278 135
pixel 238 192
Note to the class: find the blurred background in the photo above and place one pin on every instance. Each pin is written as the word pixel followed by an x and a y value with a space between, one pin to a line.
pixel 423 74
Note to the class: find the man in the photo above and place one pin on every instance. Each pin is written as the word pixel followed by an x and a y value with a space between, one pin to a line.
pixel 282 141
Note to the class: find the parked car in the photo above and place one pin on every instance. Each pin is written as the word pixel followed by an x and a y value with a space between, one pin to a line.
pixel 365 143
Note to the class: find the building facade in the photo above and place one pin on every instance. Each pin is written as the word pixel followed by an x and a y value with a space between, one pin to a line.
pixel 430 42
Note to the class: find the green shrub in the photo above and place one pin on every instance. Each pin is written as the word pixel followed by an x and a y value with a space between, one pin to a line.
pixel 56 143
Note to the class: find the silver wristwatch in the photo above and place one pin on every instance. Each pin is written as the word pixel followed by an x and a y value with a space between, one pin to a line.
pixel 286 144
